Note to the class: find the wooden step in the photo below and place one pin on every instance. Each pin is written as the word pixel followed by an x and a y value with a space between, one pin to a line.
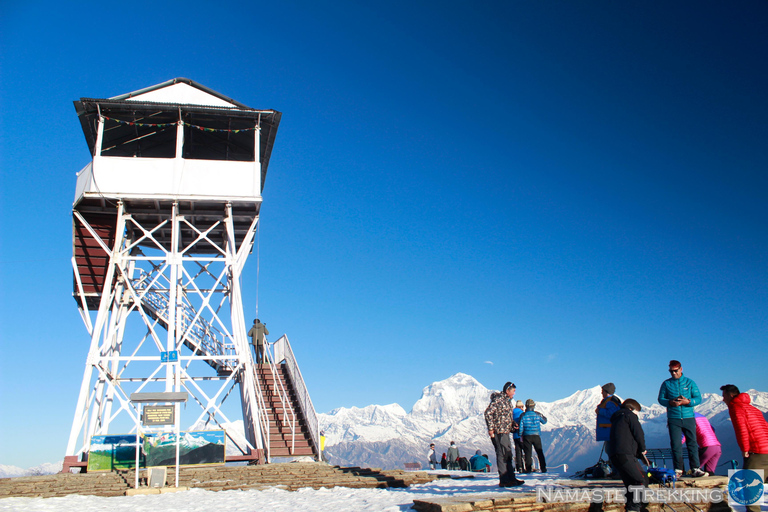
pixel 287 452
pixel 289 476
pixel 280 430
pixel 275 403
pixel 286 437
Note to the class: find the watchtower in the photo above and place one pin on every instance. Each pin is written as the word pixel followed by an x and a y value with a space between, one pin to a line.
pixel 164 219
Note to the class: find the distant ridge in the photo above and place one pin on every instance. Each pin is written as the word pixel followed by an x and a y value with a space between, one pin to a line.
pixel 387 436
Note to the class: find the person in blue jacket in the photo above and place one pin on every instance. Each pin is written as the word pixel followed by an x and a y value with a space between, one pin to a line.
pixel 608 405
pixel 679 395
pixel 479 462
pixel 516 413
pixel 530 428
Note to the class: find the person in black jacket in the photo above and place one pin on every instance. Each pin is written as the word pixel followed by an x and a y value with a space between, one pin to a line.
pixel 625 445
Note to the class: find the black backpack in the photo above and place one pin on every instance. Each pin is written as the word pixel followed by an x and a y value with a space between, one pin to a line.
pixel 602 469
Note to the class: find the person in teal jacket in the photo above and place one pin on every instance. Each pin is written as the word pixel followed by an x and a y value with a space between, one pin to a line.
pixel 479 462
pixel 679 395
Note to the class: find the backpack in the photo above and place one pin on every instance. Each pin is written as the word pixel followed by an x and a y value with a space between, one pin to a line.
pixel 662 475
pixel 602 469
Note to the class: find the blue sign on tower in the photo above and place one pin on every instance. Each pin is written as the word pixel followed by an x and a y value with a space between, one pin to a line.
pixel 171 356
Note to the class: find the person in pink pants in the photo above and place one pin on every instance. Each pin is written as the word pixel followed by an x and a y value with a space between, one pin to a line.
pixel 709 446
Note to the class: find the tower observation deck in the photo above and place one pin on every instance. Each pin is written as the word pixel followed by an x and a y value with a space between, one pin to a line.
pixel 164 219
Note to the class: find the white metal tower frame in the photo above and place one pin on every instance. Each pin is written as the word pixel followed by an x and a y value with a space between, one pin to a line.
pixel 162 230
pixel 172 277
pixel 182 300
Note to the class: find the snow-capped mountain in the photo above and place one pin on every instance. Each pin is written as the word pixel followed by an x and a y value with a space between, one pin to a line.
pixel 452 410
pixel 386 436
pixel 47 468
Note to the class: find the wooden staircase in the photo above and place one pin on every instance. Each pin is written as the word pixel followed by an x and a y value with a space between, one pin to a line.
pixel 281 441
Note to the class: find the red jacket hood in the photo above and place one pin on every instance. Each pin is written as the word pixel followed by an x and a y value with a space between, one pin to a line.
pixel 742 399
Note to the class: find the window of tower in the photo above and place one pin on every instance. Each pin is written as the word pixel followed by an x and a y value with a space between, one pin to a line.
pixel 140 134
pixel 211 137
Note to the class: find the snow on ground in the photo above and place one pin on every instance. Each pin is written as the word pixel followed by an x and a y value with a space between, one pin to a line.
pixel 338 499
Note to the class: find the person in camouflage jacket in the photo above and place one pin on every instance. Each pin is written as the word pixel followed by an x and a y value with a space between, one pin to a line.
pixel 498 415
pixel 500 422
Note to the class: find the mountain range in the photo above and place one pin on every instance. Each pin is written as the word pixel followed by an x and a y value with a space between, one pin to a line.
pixel 386 436
pixel 47 468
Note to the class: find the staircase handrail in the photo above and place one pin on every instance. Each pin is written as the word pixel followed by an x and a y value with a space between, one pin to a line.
pixel 261 413
pixel 285 400
pixel 283 351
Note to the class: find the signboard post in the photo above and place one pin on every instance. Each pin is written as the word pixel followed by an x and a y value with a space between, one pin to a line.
pixel 158 415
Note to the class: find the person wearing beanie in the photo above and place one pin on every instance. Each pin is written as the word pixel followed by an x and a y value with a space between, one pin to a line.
pixel 258 334
pixel 626 444
pixel 453 456
pixel 516 413
pixel 530 430
pixel 500 422
pixel 609 404
pixel 680 395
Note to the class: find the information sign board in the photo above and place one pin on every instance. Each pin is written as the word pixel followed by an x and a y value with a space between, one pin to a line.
pixel 158 415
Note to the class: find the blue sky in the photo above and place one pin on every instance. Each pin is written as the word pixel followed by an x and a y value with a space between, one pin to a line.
pixel 574 191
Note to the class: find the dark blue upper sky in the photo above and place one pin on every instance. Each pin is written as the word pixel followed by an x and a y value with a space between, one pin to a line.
pixel 573 191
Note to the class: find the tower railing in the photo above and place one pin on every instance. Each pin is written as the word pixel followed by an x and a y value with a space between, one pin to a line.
pixel 283 351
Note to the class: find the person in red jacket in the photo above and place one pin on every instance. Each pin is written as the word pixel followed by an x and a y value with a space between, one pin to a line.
pixel 751 429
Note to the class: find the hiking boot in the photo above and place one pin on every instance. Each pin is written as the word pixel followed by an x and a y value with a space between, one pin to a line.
pixel 678 473
pixel 698 473
pixel 512 483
